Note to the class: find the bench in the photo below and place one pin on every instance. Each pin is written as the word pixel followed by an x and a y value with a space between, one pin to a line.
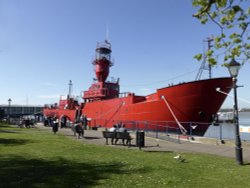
pixel 116 136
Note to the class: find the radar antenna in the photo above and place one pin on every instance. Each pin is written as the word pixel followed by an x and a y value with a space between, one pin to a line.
pixel 107 33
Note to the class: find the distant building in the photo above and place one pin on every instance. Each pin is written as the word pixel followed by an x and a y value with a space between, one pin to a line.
pixel 20 110
pixel 1 113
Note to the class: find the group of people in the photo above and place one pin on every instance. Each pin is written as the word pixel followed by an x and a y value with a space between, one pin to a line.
pixel 27 122
pixel 48 121
pixel 62 121
pixel 52 122
pixel 120 127
pixel 77 127
pixel 80 126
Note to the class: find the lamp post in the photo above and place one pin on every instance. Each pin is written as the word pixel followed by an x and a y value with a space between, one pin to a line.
pixel 9 101
pixel 234 68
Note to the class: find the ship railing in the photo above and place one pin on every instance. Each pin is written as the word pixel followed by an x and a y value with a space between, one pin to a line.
pixel 124 94
pixel 104 44
pixel 95 93
pixel 219 132
pixel 65 97
pixel 225 131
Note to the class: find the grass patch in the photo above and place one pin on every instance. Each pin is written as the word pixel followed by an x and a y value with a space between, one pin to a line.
pixel 37 158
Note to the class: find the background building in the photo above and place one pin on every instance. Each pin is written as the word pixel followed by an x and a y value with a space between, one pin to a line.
pixel 19 110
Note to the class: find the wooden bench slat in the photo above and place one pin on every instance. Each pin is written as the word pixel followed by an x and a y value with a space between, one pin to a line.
pixel 107 134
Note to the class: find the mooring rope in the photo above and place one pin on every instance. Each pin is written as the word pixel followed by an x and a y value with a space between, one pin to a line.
pixel 183 130
pixel 218 90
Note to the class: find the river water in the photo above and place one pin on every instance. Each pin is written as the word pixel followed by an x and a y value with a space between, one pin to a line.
pixel 227 130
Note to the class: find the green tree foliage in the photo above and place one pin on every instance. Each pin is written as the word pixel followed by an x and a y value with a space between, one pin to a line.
pixel 232 19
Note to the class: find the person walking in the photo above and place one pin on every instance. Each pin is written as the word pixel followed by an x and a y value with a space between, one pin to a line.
pixel 79 129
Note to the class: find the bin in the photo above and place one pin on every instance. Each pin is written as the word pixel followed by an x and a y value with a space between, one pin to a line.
pixel 140 139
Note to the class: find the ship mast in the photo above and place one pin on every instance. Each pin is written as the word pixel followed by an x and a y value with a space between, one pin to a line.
pixel 209 40
pixel 203 64
pixel 70 89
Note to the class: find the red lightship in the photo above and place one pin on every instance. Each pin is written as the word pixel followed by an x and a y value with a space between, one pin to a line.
pixel 191 104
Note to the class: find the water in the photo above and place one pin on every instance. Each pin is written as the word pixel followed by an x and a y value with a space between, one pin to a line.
pixel 227 130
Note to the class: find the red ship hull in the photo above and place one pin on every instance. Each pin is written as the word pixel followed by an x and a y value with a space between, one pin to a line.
pixel 187 107
pixel 193 103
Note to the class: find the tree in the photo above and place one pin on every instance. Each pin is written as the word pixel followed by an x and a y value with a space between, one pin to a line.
pixel 232 19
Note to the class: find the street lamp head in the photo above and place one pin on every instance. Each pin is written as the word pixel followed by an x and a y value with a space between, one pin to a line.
pixel 9 100
pixel 233 68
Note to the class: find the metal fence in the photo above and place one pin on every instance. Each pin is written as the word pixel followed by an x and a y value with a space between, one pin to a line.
pixel 226 131
pixel 167 130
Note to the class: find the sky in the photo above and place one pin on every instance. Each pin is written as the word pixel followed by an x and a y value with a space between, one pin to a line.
pixel 46 43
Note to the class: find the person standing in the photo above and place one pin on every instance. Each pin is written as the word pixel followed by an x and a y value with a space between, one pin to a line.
pixel 84 121
pixel 55 125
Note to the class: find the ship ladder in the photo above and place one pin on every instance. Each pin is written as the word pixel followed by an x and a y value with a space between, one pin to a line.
pixel 183 130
